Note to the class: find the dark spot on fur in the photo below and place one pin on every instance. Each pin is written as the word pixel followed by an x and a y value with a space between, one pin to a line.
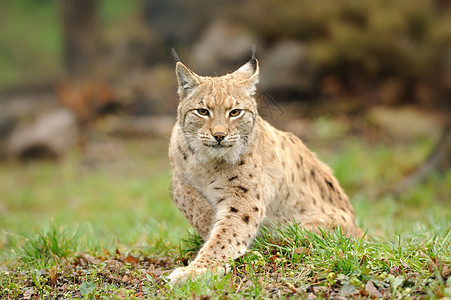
pixel 229 240
pixel 220 200
pixel 243 189
pixel 182 152
pixel 255 208
pixel 258 196
pixel 314 201
pixel 241 163
pixel 234 234
pixel 251 176
pixel 233 178
pixel 222 247
pixel 246 219
pixel 330 200
pixel 233 209
pixel 223 257
pixel 298 165
pixel 312 172
pixel 301 160
pixel 343 218
pixel 292 177
pixel 213 181
pixel 238 243
pixel 249 236
pixel 330 185
pixel 218 188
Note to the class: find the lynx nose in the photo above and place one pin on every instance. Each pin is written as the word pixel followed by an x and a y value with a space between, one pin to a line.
pixel 219 136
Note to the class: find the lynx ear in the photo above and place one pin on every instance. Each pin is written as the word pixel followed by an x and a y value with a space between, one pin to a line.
pixel 186 79
pixel 250 73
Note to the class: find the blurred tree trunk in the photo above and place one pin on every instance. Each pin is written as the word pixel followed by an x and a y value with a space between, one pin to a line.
pixel 80 34
pixel 84 90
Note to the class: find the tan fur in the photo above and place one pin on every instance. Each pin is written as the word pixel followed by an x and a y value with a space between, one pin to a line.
pixel 255 176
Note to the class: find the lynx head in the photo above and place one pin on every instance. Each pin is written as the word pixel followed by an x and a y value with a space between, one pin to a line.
pixel 217 114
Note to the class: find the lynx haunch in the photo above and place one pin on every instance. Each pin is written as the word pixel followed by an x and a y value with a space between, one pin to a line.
pixel 233 171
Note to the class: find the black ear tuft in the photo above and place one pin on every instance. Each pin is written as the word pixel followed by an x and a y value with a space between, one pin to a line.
pixel 253 60
pixel 175 55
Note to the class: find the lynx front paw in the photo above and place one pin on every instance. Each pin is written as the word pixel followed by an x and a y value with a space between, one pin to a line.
pixel 180 275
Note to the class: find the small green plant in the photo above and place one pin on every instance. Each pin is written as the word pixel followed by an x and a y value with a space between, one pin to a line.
pixel 49 246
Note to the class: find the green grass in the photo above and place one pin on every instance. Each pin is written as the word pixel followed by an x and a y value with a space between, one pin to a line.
pixel 104 226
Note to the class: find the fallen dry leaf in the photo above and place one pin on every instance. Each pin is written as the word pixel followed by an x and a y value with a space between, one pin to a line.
pixel 89 258
pixel 372 290
pixel 126 278
pixel 131 259
pixel 446 271
pixel 121 294
pixel 291 287
pixel 302 250
pixel 28 293
pixel 395 270
pixel 53 275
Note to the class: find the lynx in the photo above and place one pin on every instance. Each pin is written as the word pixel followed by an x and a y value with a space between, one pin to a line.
pixel 233 171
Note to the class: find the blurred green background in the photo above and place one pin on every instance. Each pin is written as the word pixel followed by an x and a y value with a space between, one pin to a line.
pixel 88 99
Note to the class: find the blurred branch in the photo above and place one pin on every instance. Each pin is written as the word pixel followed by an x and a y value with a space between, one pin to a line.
pixel 438 161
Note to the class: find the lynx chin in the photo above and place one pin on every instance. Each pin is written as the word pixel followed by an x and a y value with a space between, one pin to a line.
pixel 233 171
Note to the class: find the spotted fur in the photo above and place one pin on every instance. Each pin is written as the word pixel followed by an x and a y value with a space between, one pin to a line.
pixel 250 174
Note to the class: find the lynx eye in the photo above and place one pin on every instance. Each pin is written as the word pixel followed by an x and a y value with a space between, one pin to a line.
pixel 235 113
pixel 203 112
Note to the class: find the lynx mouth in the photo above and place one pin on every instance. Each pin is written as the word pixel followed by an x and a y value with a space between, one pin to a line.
pixel 218 146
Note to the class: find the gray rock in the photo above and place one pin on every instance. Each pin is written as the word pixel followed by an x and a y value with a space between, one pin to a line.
pixel 50 136
pixel 287 67
pixel 223 47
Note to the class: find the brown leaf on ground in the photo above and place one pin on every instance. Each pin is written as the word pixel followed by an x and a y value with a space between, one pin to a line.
pixel 372 290
pixel 122 294
pixel 302 250
pixel 446 271
pixel 395 270
pixel 28 293
pixel 131 259
pixel 126 278
pixel 53 275
pixel 291 287
pixel 363 259
pixel 91 259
